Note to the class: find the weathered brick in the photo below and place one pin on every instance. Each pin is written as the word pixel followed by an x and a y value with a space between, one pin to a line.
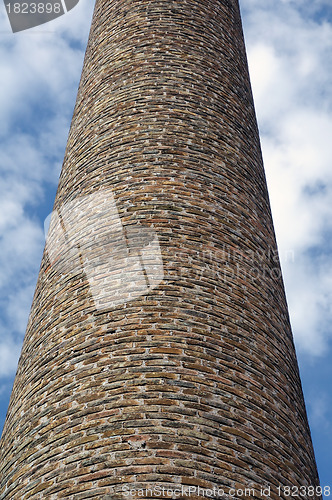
pixel 193 381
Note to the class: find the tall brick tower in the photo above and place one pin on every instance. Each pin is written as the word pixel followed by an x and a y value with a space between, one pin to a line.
pixel 158 352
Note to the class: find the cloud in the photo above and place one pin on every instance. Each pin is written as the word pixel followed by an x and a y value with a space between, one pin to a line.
pixel 320 412
pixel 9 353
pixel 40 70
pixel 290 57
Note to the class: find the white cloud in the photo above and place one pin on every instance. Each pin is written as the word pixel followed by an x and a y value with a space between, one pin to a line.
pixel 17 317
pixel 9 353
pixel 309 286
pixel 319 410
pixel 40 70
pixel 290 59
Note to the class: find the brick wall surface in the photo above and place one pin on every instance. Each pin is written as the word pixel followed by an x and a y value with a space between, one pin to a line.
pixel 194 382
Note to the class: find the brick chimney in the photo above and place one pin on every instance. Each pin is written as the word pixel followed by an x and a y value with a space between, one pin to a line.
pixel 158 352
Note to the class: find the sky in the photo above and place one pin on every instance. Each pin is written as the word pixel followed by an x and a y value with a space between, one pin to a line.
pixel 289 47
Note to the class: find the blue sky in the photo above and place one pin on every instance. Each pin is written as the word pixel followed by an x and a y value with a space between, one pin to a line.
pixel 289 44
